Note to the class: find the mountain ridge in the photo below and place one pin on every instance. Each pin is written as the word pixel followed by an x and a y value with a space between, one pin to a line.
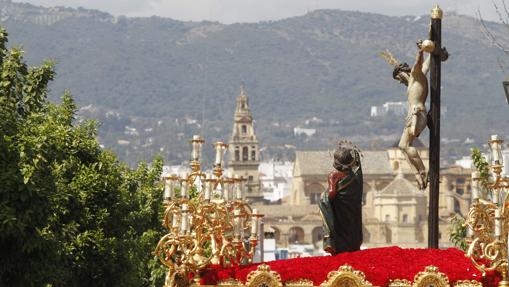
pixel 322 64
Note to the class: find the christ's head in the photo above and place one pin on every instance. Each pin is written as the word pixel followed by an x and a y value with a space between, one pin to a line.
pixel 401 73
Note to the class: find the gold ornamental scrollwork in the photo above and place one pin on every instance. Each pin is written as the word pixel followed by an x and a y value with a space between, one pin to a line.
pixel 346 276
pixel 205 210
pixel 263 277
pixel 431 277
pixel 487 221
pixel 467 283
pixel 230 282
pixel 400 283
pixel 299 283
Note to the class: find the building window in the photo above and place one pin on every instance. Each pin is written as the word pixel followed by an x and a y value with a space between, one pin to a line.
pixel 244 129
pixel 245 153
pixel 405 218
pixel 250 178
pixel 460 191
pixel 460 181
pixel 237 154
pixel 387 217
pixel 457 207
pixel 253 155
pixel 317 235
pixel 296 235
pixel 314 198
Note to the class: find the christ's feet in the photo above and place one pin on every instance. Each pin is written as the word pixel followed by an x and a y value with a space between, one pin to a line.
pixel 422 180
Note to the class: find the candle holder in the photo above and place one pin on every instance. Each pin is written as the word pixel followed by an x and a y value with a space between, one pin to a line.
pixel 488 219
pixel 210 228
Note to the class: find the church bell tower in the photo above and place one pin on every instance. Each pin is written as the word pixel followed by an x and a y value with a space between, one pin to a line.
pixel 244 153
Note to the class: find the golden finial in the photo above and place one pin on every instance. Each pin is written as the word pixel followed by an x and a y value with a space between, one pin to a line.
pixel 436 13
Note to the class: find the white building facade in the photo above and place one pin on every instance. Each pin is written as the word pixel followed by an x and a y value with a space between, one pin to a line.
pixel 276 179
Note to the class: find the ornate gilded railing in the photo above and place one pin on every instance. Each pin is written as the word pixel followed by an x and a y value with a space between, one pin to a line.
pixel 346 276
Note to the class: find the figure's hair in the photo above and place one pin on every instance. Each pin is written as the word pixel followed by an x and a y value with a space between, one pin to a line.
pixel 344 158
pixel 405 68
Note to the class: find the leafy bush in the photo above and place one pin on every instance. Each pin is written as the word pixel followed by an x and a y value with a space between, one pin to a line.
pixel 71 214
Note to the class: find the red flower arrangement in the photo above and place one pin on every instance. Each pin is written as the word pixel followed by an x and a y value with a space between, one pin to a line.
pixel 380 265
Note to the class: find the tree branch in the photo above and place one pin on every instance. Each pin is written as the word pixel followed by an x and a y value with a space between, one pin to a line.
pixel 487 32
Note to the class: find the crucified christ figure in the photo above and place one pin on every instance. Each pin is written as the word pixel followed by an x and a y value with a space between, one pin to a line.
pixel 417 91
pixel 416 80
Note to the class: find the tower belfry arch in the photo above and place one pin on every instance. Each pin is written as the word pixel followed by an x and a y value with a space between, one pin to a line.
pixel 243 148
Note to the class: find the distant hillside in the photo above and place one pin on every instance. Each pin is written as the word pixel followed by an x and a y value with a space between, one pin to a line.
pixel 153 82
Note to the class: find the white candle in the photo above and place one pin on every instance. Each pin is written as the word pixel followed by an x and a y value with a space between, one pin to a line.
pixel 172 185
pixel 226 191
pixel 475 185
pixel 236 222
pixel 198 183
pixel 470 232
pixel 208 187
pixel 195 144
pixel 238 187
pixel 183 190
pixel 498 223
pixel 219 153
pixel 184 186
pixel 213 244
pixel 183 226
pixel 494 149
pixel 241 227
pixel 217 190
pixel 254 223
pixel 174 224
pixel 243 187
pixel 184 223
pixel 166 194
pixel 198 154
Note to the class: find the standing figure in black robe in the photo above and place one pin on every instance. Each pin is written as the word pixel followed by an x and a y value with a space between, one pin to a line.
pixel 341 204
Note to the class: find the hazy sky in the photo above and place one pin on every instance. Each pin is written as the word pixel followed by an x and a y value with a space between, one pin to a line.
pixel 229 11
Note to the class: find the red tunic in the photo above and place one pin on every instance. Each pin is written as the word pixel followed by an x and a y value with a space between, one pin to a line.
pixel 333 179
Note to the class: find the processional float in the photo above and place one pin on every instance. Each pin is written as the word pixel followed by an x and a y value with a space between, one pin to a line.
pixel 209 222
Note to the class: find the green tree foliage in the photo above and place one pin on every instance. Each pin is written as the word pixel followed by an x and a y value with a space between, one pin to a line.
pixel 71 214
pixel 458 230
pixel 482 166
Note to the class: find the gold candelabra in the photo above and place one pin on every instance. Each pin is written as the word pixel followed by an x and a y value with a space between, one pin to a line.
pixel 488 219
pixel 208 220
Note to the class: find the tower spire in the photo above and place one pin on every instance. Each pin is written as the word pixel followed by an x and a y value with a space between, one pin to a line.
pixel 242 91
pixel 243 147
